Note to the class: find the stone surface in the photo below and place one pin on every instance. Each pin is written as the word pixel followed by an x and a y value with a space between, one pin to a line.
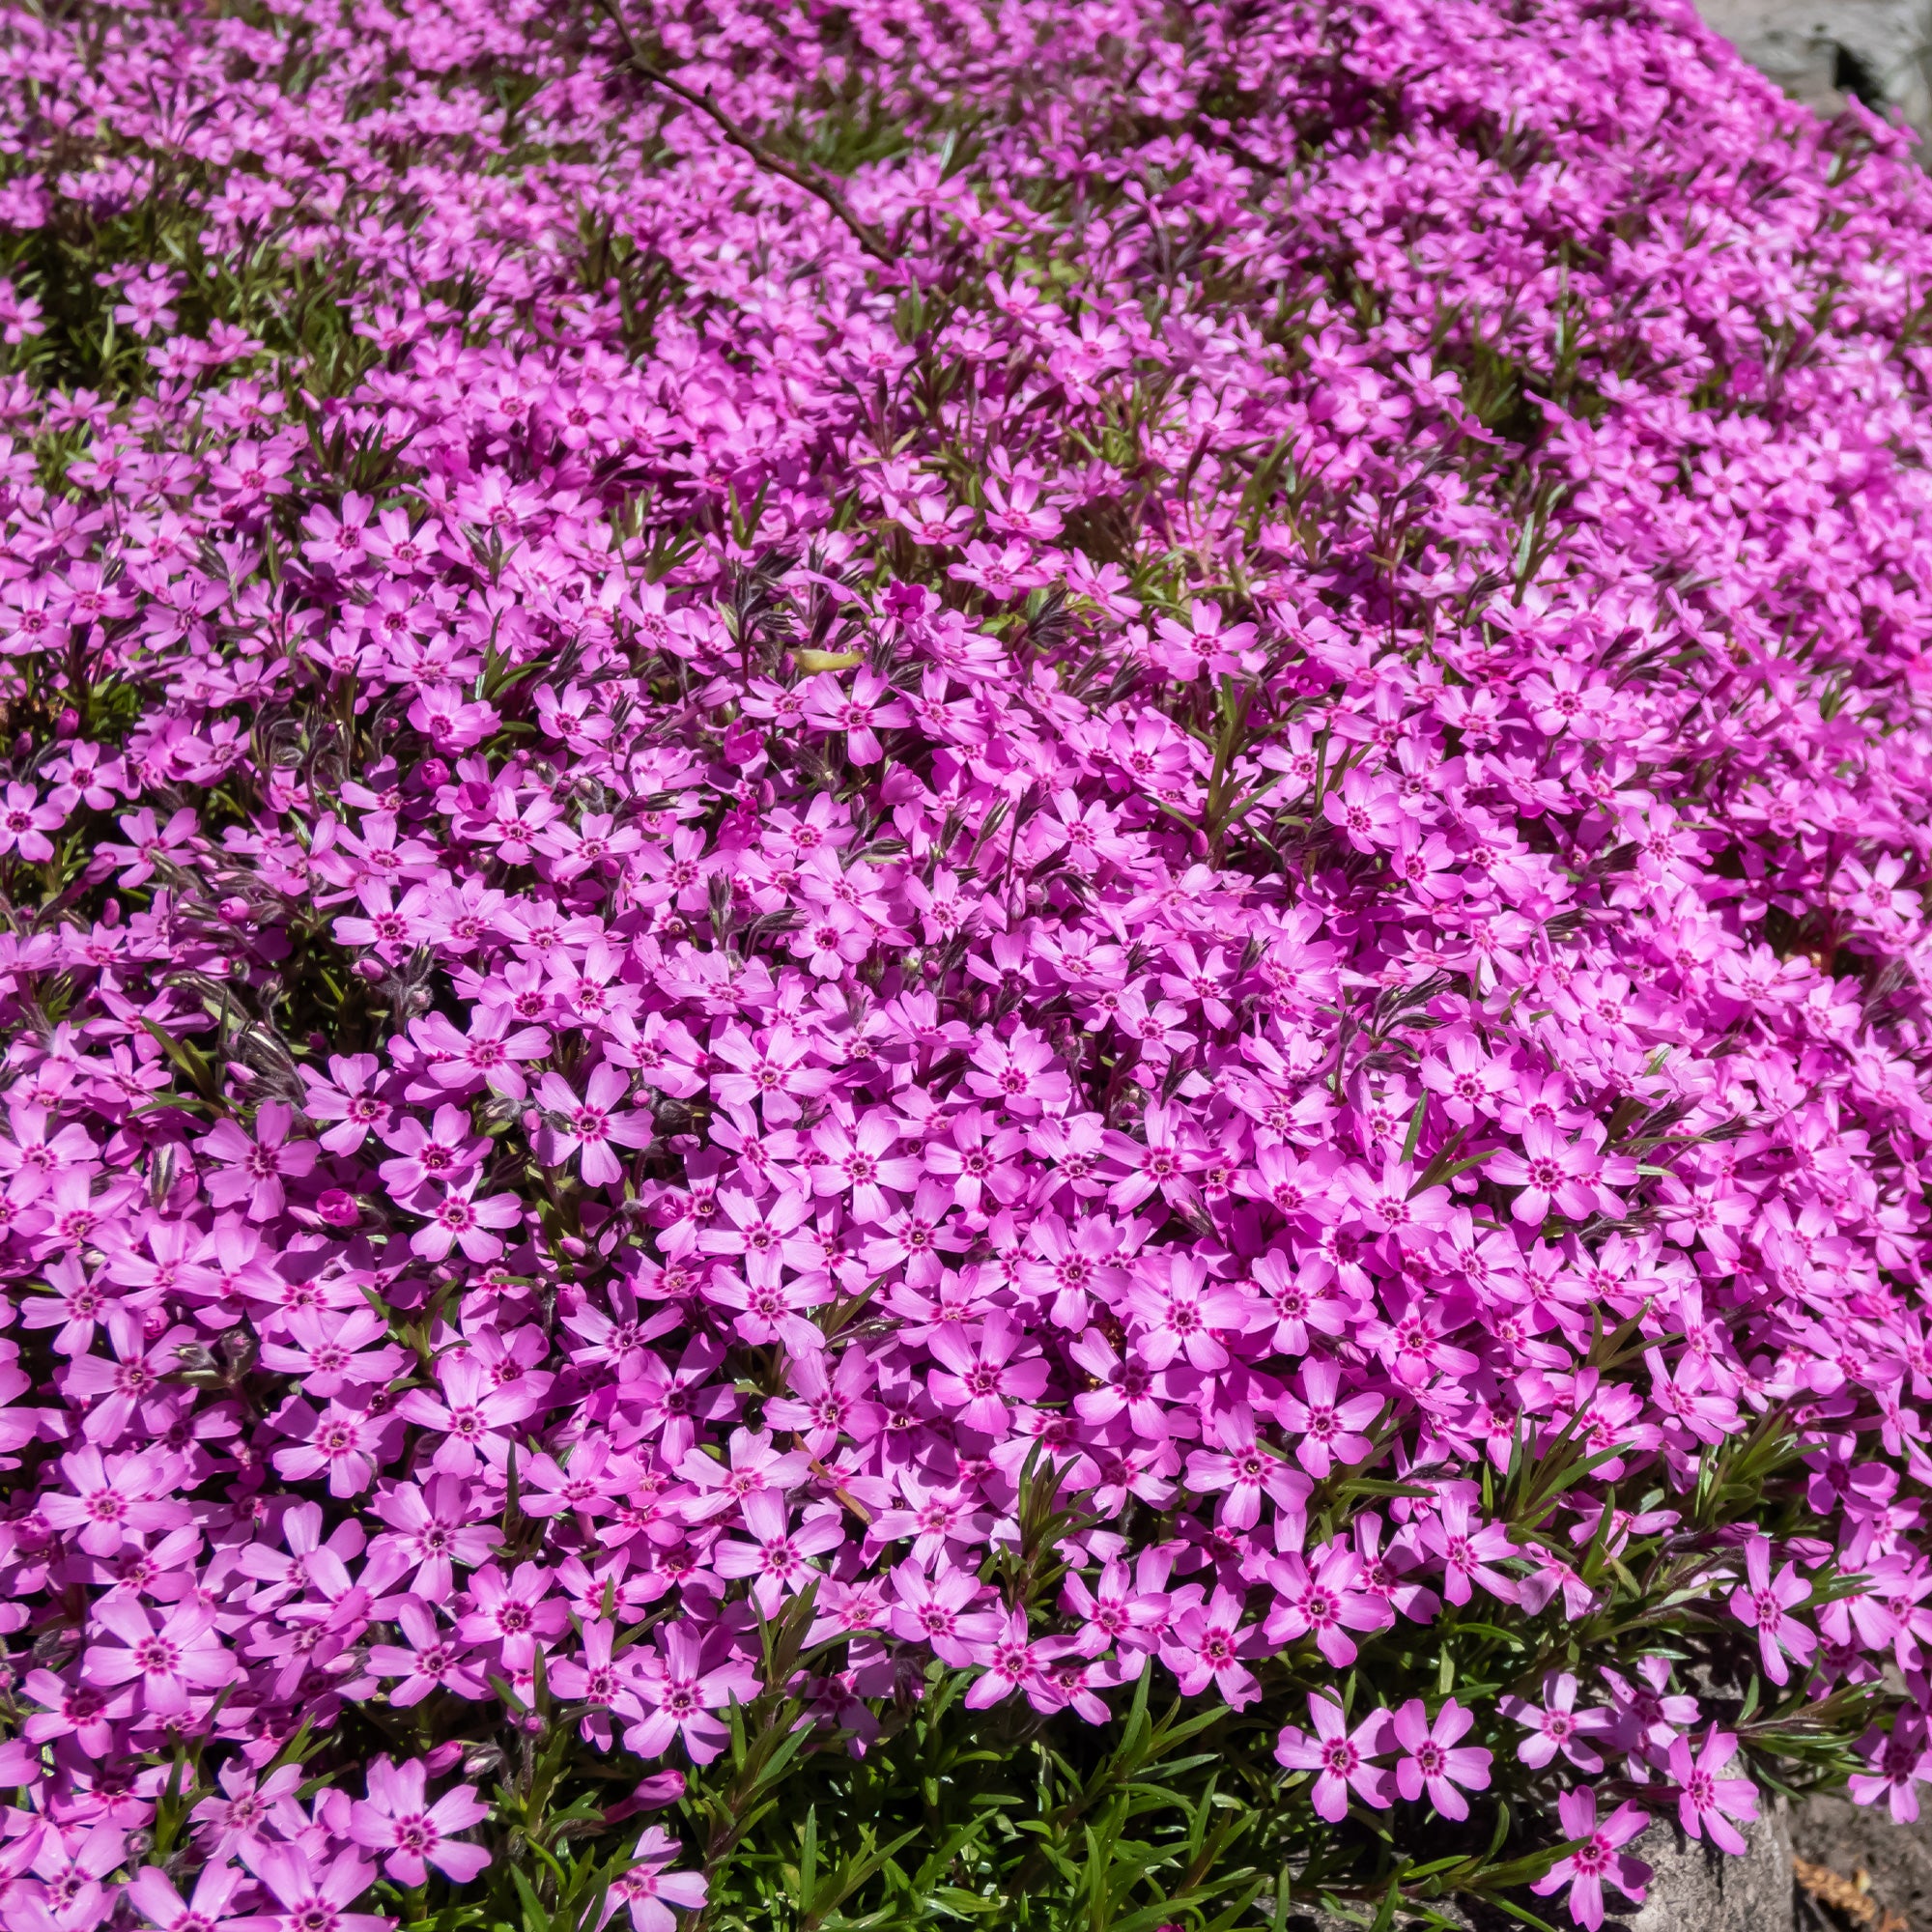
pixel 1698 1888
pixel 1851 1838
pixel 1818 51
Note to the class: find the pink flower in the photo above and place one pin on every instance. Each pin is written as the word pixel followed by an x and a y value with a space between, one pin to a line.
pixel 433 1659
pixel 1206 1644
pixel 114 1392
pixel 476 1414
pixel 981 1379
pixel 397 1820
pixel 429 1532
pixel 1340 1758
pixel 1470 1082
pixel 762 1231
pixel 439 1154
pixel 517 1612
pixel 1395 1202
pixel 347 1097
pixel 1122 1611
pixel 488 1055
pixel 25 822
pixel 695 1673
pixel 114 1499
pixel 458 1219
pixel 1204 644
pixel 249 1811
pixel 1432 1760
pixel 1554 1170
pixel 592 1126
pixel 1002 573
pixel 1366 813
pixel 860 1160
pixel 1557 1725
pixel 936 1610
pixel 754 1467
pixel 452 721
pixel 1897 1759
pixel 1243 1472
pixel 169 1663
pixel 867 710
pixel 830 1399
pixel 1019 1074
pixel 391 929
pixel 253 1170
pixel 1181 1314
pixel 1324 1600
pixel 777 1557
pixel 1765 1605
pixel 312 1897
pixel 1329 1430
pixel 332 1352
pixel 769 1071
pixel 205 1909
pixel 1598 1861
pixel 38 1151
pixel 342 1442
pixel 1009 1662
pixel 602 1683
pixel 773 1305
pixel 149 846
pixel 1644 1716
pixel 1707 1801
pixel 1468 1556
pixel 653 1895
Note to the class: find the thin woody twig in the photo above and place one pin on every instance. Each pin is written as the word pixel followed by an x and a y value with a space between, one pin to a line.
pixel 868 238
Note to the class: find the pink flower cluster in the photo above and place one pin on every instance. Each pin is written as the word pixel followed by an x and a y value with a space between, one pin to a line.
pixel 1244 837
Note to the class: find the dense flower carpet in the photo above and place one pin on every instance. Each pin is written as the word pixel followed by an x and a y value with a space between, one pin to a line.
pixel 962 964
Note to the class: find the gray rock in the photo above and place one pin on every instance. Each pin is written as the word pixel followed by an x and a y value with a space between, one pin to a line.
pixel 1696 1888
pixel 1851 1839
pixel 1818 51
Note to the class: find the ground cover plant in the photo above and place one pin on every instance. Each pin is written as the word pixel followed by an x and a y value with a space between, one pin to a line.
pixel 961 965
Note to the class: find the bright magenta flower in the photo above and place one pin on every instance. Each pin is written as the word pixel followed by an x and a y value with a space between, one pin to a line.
pixel 1434 1762
pixel 1342 1759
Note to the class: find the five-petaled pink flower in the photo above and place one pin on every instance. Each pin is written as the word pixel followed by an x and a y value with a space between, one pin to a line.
pixel 1554 1170
pixel 397 1820
pixel 313 1896
pixel 981 1378
pixel 151 1893
pixel 459 1218
pixel 693 1674
pixel 1897 1761
pixel 653 1895
pixel 1434 1762
pixel 1009 1659
pixel 25 822
pixel 1764 1602
pixel 1556 1727
pixel 591 1127
pixel 1707 1801
pixel 1340 1759
pixel 171 1662
pixel 254 1168
pixel 1366 813
pixel 1599 1859
pixel 868 708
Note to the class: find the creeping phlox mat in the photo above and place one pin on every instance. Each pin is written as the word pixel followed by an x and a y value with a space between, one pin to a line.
pixel 961 965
